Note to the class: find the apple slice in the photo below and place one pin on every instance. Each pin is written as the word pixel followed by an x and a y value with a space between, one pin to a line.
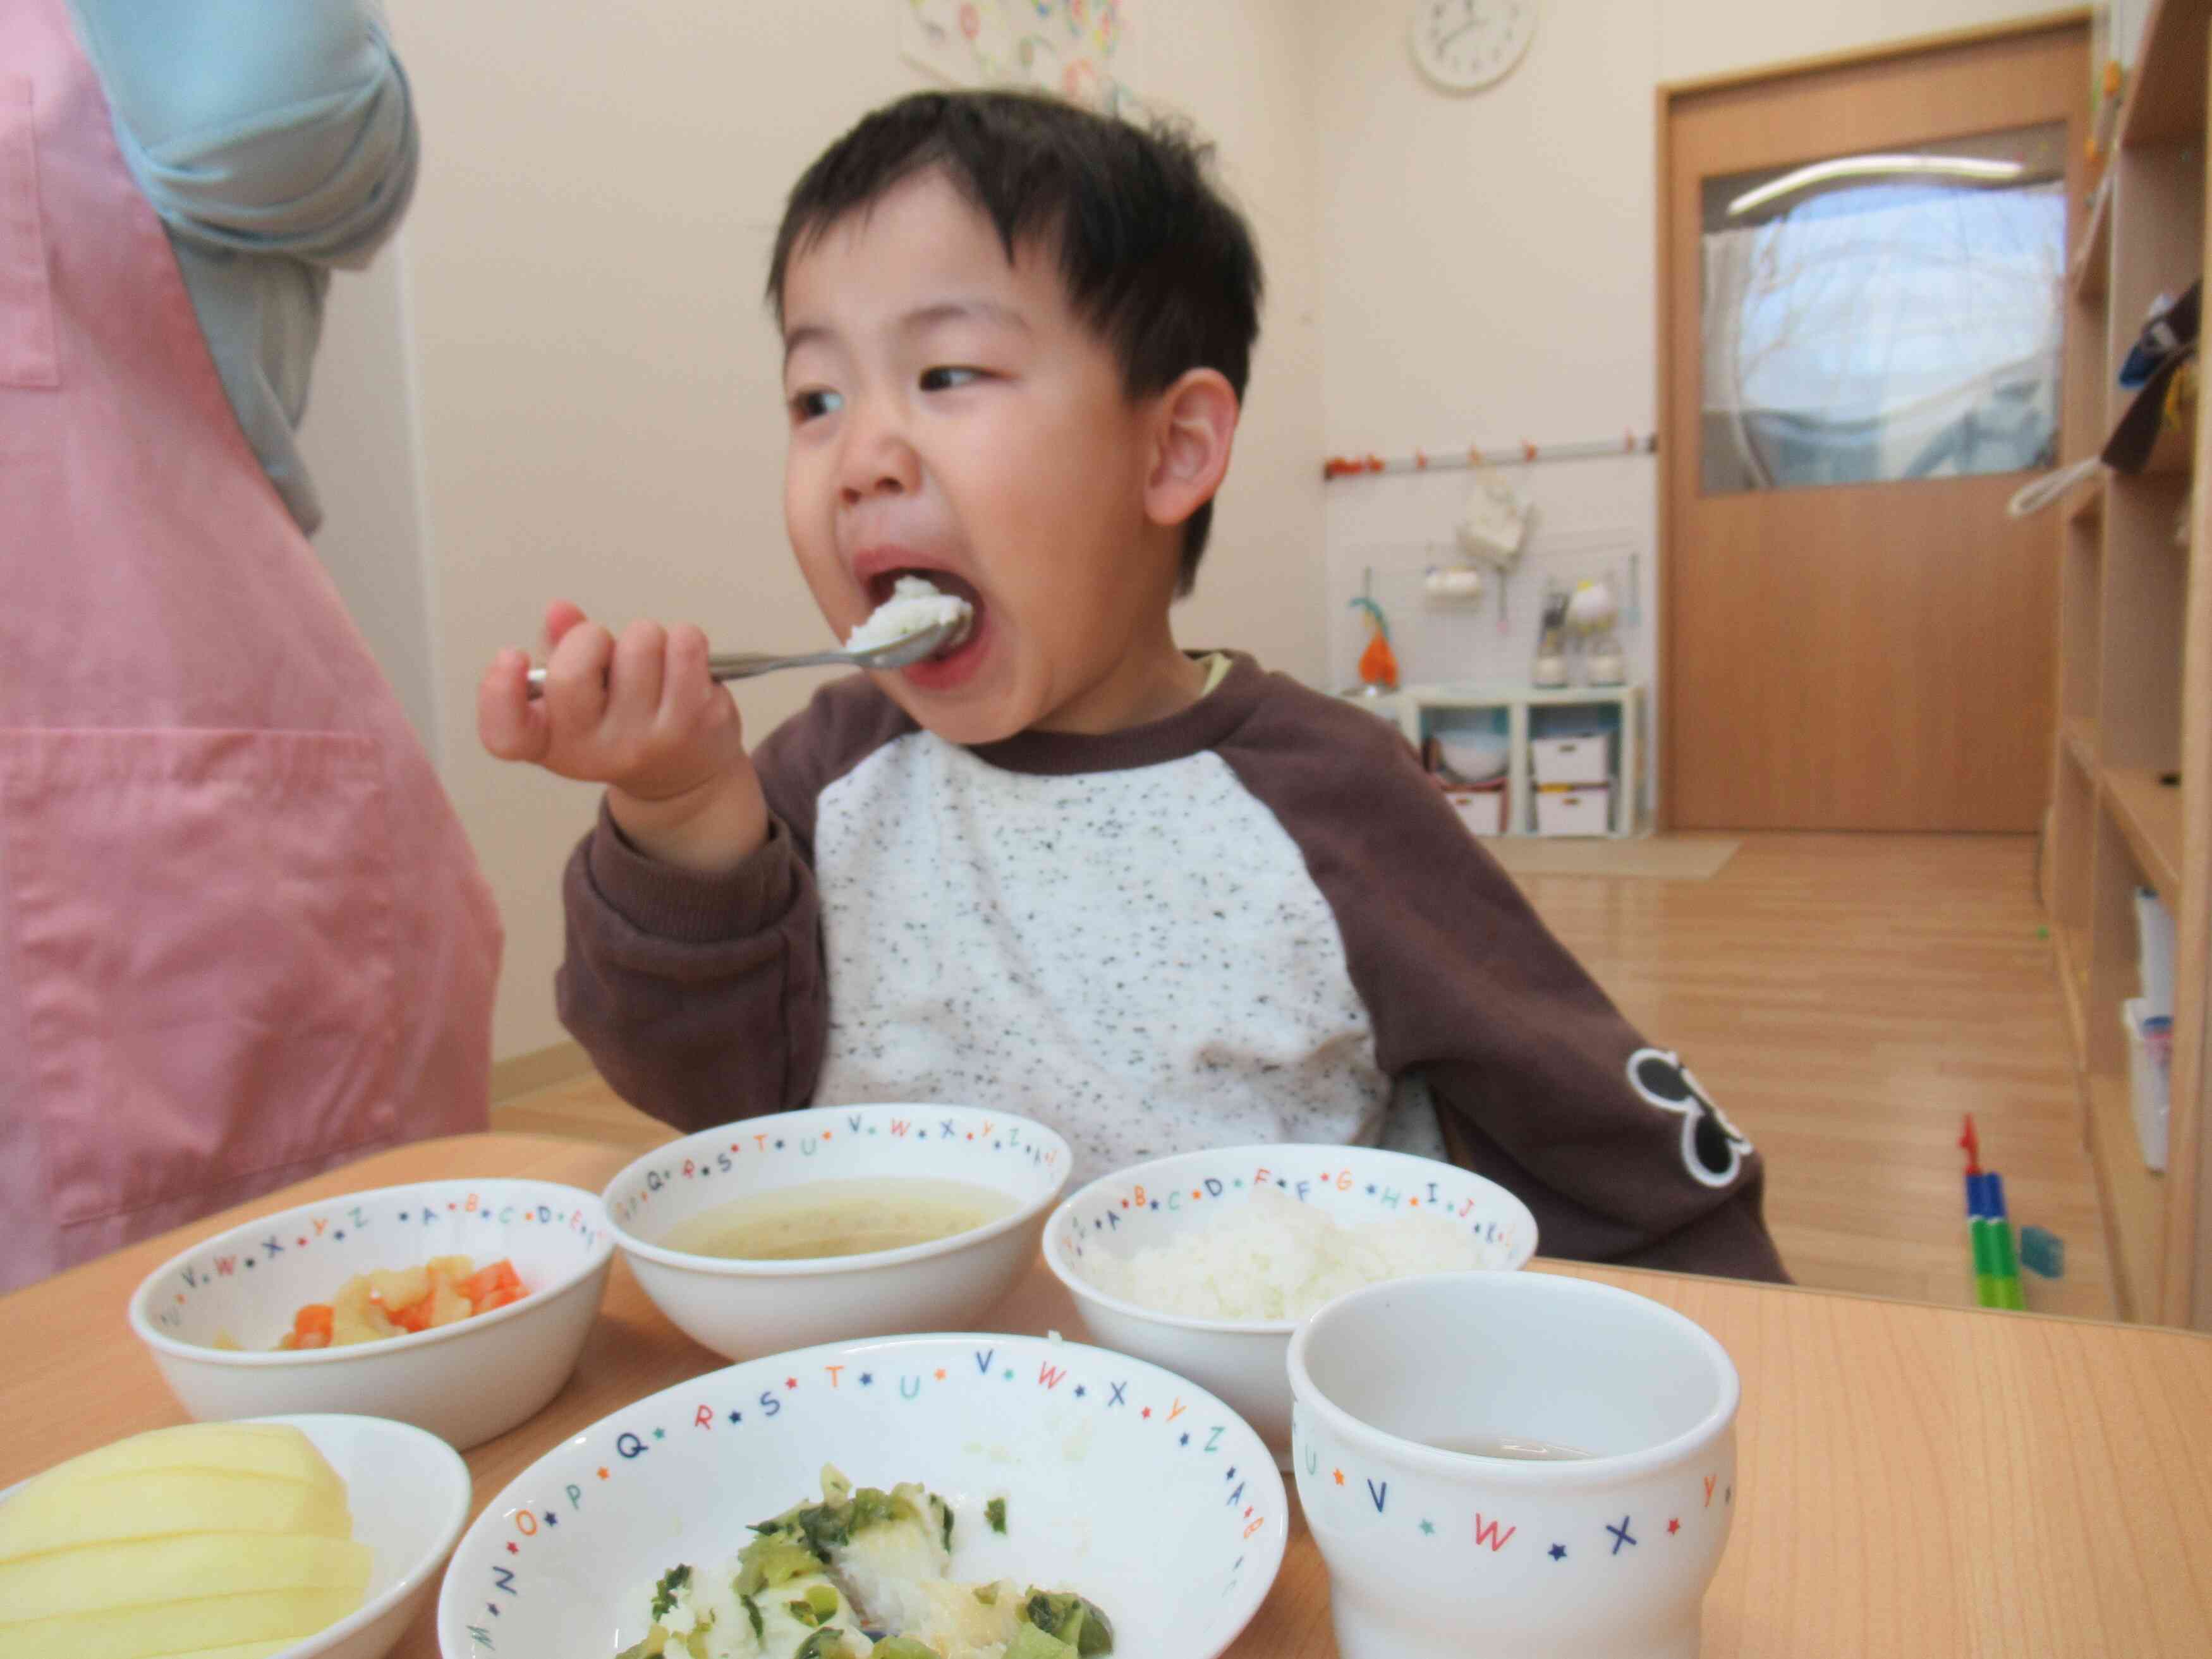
pixel 178 1568
pixel 171 1627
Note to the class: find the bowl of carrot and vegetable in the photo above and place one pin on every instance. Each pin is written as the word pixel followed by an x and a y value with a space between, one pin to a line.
pixel 396 1302
pixel 389 1302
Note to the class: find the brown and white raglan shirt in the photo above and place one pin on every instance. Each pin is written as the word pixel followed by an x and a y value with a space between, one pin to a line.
pixel 1248 922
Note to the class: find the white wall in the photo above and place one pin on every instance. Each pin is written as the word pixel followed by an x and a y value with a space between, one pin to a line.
pixel 1701 38
pixel 1488 275
pixel 600 402
pixel 1487 278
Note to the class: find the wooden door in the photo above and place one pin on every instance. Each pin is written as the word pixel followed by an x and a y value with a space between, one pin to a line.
pixel 1861 655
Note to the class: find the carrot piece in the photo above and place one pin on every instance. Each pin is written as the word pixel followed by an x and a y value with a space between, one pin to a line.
pixel 312 1320
pixel 498 1276
pixel 500 1298
pixel 414 1316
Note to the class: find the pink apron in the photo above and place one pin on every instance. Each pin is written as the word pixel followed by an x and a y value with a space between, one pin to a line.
pixel 242 937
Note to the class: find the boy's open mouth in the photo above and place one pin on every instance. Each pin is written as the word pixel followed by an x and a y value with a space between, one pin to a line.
pixel 881 584
pixel 879 588
pixel 958 663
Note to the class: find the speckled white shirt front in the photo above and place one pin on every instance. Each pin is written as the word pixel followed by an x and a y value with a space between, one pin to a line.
pixel 1138 958
pixel 1243 922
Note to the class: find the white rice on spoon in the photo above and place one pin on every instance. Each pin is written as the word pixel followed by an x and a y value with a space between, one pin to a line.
pixel 915 603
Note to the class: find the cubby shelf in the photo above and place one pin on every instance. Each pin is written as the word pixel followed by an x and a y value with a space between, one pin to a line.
pixel 2135 674
pixel 2081 744
pixel 2149 814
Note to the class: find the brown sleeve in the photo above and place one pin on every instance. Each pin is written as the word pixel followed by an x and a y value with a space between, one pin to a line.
pixel 701 999
pixel 1540 1083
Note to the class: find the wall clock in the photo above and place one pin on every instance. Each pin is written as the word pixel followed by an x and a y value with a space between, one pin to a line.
pixel 1463 45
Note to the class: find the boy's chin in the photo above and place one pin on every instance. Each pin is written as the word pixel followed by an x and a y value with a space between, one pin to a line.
pixel 967 720
pixel 969 728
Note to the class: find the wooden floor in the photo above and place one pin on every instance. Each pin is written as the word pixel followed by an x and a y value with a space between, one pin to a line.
pixel 1846 998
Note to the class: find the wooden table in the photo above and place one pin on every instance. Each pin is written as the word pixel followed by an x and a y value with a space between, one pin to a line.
pixel 1912 1480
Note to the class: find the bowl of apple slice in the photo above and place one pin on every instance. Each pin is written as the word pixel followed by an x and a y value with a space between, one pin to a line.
pixel 304 1537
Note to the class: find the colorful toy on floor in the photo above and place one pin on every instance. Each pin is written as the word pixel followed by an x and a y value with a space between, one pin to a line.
pixel 2043 1252
pixel 1996 1269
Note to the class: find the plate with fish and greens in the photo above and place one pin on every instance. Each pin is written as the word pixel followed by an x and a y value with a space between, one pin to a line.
pixel 935 1497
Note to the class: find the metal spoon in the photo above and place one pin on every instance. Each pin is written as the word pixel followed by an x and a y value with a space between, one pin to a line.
pixel 900 653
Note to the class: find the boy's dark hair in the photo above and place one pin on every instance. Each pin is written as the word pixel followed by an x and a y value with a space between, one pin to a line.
pixel 1153 255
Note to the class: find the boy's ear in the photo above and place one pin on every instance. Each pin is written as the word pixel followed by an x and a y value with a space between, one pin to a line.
pixel 1195 424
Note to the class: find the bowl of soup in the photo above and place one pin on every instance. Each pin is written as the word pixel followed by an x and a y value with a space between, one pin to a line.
pixel 836 1223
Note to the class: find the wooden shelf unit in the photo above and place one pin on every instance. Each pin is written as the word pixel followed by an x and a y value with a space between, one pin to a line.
pixel 2165 102
pixel 2134 1198
pixel 2149 815
pixel 2073 953
pixel 2135 682
pixel 2081 743
pixel 2091 261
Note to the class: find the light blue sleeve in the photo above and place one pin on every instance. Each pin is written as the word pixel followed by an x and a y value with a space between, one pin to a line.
pixel 266 126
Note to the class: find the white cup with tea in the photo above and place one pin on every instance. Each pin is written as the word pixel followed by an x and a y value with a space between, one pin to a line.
pixel 1522 1464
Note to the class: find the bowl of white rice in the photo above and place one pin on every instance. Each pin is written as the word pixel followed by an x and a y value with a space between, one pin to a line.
pixel 1206 1262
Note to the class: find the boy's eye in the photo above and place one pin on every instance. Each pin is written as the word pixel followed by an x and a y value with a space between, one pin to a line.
pixel 808 405
pixel 944 380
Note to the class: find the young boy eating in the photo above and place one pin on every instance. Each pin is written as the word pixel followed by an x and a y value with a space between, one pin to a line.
pixel 1158 900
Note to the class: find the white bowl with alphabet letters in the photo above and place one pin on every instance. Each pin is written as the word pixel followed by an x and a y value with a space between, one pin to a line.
pixel 1059 1464
pixel 466 1382
pixel 1153 1206
pixel 852 1164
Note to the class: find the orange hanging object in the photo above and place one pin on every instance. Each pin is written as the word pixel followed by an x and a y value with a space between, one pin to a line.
pixel 1378 664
